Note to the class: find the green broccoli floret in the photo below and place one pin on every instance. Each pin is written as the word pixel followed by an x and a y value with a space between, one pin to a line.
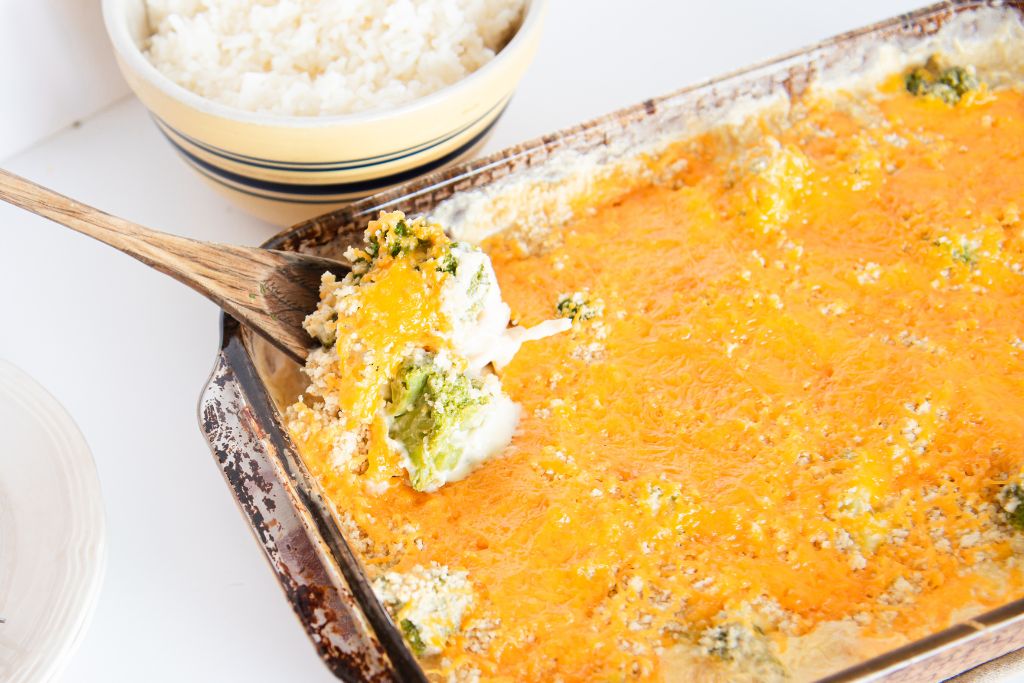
pixel 948 84
pixel 578 306
pixel 959 79
pixel 431 407
pixel 1011 500
pixel 412 636
pixel 944 93
pixel 428 604
pixel 393 235
pixel 744 647
pixel 476 293
pixel 479 284
pixel 448 263
pixel 966 253
pixel 918 81
pixel 396 240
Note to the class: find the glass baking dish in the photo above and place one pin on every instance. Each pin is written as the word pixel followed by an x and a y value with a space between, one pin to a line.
pixel 239 408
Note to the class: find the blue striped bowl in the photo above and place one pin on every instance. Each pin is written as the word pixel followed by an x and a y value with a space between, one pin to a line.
pixel 288 168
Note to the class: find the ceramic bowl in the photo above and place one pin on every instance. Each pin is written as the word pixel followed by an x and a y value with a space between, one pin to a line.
pixel 286 168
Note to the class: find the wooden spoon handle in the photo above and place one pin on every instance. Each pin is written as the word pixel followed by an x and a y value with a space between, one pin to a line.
pixel 270 291
pixel 159 250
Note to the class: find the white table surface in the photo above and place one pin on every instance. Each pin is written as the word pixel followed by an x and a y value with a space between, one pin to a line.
pixel 188 595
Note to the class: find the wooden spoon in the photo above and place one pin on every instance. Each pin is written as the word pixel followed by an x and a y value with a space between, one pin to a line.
pixel 270 291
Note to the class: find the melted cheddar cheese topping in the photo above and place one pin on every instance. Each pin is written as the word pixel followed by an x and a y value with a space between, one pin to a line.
pixel 793 389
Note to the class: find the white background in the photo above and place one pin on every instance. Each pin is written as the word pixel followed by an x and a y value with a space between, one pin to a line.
pixel 188 596
pixel 55 68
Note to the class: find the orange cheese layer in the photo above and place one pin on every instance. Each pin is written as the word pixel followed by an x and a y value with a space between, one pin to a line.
pixel 385 325
pixel 807 382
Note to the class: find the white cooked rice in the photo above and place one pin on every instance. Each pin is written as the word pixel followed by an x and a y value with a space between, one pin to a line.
pixel 323 57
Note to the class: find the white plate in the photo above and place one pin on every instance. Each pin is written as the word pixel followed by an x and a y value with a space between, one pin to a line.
pixel 52 534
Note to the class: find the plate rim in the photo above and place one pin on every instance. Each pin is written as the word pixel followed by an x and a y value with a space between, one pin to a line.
pixel 88 527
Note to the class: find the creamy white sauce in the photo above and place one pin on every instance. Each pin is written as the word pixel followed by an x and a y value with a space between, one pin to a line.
pixel 480 318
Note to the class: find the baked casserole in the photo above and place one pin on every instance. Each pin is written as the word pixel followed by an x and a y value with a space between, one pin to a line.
pixel 782 433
